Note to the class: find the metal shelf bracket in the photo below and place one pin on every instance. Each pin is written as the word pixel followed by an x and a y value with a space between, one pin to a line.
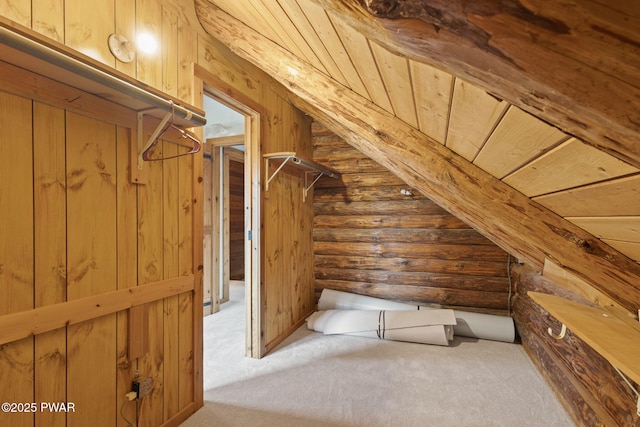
pixel 312 171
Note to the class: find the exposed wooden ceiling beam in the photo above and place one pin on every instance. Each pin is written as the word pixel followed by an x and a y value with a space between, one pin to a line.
pixel 509 218
pixel 572 63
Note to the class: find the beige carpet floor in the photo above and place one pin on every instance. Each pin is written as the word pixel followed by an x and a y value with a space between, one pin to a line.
pixel 315 380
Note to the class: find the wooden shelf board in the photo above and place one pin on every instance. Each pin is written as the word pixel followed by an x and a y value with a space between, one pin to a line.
pixel 610 332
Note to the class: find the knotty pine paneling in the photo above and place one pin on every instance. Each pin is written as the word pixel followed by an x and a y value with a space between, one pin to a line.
pixel 190 169
pixel 516 140
pixel 151 269
pixel 394 70
pixel 84 230
pixel 127 243
pixel 432 92
pixel 572 164
pixel 171 243
pixel 17 252
pixel 288 246
pixel 50 254
pixel 371 239
pixel 91 264
pixel 473 117
pixel 357 47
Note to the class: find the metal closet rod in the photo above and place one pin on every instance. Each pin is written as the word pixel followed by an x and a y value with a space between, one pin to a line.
pixel 25 44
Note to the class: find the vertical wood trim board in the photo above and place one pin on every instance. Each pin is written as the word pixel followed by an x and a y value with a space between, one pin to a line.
pixel 50 254
pixel 192 204
pixel 91 255
pixel 16 258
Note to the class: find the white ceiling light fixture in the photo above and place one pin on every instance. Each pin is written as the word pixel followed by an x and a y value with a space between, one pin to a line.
pixel 121 48
pixel 146 43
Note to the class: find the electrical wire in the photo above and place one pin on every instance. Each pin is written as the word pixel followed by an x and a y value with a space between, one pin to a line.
pixel 122 415
pixel 510 284
pixel 138 410
pixel 627 381
pixel 631 387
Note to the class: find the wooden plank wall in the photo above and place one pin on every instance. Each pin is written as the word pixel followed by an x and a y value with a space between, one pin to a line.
pixel 16 279
pixel 79 229
pixel 590 389
pixel 287 235
pixel 371 239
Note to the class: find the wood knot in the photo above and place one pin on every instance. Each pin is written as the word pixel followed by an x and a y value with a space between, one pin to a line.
pixel 584 244
pixel 381 135
pixel 381 7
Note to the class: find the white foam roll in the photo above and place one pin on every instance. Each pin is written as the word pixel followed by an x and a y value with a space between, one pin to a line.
pixel 484 326
pixel 435 334
pixel 338 300
pixel 425 327
pixel 472 325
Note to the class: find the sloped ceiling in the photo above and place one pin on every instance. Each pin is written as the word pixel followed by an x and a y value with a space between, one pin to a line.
pixel 522 123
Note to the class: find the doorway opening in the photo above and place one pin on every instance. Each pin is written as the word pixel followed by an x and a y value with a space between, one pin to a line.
pixel 232 211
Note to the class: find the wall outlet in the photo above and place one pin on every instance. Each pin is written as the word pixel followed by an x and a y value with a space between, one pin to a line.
pixel 142 387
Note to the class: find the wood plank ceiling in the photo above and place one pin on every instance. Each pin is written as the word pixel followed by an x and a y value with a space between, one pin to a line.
pixel 590 188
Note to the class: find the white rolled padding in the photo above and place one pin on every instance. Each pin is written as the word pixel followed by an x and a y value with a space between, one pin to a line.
pixel 425 326
pixel 484 326
pixel 338 300
pixel 469 324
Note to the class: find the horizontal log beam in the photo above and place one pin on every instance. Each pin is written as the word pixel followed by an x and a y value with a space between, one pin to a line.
pixel 574 63
pixel 411 250
pixel 402 235
pixel 351 165
pixel 365 194
pixel 509 218
pixel 433 280
pixel 414 207
pixel 479 268
pixel 372 179
pixel 422 295
pixel 386 221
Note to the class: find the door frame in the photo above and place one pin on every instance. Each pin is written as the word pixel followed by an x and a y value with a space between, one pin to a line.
pixel 212 86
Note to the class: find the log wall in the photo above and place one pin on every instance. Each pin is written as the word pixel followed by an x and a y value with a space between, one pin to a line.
pixel 590 389
pixel 371 239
